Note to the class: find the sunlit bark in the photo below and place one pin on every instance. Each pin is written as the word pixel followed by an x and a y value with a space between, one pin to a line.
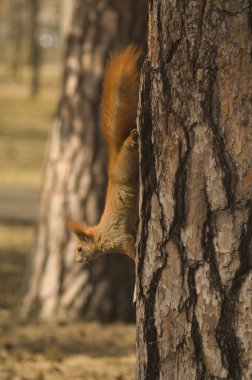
pixel 194 292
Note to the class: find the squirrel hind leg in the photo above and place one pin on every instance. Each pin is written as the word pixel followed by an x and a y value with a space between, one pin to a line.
pixel 126 168
pixel 128 246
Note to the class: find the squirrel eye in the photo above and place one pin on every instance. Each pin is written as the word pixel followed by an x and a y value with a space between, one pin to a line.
pixel 80 249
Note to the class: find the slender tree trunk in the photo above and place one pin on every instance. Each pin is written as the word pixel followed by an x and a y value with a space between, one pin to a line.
pixel 16 32
pixel 74 183
pixel 4 33
pixel 194 316
pixel 35 48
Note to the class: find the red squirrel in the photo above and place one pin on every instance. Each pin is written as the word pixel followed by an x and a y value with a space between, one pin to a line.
pixel 115 231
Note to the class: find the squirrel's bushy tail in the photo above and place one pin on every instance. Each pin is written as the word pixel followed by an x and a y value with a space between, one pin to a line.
pixel 120 97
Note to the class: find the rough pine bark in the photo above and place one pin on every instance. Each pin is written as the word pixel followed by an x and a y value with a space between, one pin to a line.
pixel 194 291
pixel 74 181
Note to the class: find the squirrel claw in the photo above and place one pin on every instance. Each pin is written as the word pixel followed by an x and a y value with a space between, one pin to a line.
pixel 134 137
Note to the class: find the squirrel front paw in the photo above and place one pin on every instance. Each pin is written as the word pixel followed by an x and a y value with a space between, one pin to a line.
pixel 133 138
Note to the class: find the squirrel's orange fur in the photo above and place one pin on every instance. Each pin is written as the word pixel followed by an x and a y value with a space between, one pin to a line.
pixel 119 98
pixel 114 233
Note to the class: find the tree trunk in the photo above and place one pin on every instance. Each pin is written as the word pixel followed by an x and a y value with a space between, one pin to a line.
pixel 16 31
pixel 35 48
pixel 66 17
pixel 194 290
pixel 74 183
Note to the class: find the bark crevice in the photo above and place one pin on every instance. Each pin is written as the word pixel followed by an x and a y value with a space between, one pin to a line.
pixel 225 332
pixel 196 52
pixel 150 330
pixel 148 179
pixel 198 347
pixel 211 110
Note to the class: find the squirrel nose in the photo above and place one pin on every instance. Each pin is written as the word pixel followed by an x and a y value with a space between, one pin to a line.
pixel 80 249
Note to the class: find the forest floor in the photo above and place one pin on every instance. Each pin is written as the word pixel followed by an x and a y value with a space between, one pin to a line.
pixel 38 350
pixel 64 351
pixel 73 350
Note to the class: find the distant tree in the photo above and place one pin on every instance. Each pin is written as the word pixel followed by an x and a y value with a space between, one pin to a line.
pixel 194 318
pixel 34 46
pixel 16 32
pixel 3 32
pixel 74 181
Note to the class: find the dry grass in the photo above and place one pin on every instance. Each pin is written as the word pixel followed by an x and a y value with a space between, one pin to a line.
pixel 16 238
pixel 15 246
pixel 73 351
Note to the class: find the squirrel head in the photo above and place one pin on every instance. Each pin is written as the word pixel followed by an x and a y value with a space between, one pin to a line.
pixel 87 248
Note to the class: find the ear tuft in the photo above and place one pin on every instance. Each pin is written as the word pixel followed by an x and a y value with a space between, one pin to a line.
pixel 79 230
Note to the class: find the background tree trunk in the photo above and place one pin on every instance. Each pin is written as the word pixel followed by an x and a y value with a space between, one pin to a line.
pixel 74 183
pixel 194 318
pixel 35 48
pixel 16 32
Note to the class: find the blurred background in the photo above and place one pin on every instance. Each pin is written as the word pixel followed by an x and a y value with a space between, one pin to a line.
pixel 53 168
pixel 31 58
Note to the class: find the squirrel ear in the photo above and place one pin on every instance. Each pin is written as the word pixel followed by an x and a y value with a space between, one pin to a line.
pixel 79 230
